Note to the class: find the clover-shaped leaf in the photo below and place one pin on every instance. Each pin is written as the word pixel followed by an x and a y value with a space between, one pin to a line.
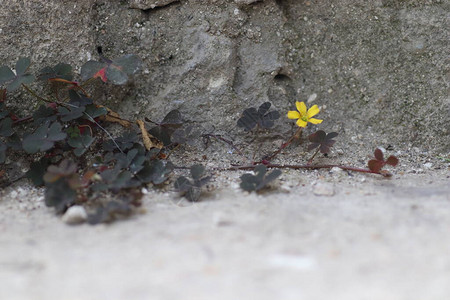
pixel 93 111
pixel 19 78
pixel 261 117
pixel 116 179
pixel 250 182
pixel 126 141
pixel 37 171
pixel 114 71
pixel 60 195
pixel 44 114
pixel 79 98
pixel 70 113
pixel 155 171
pixel 61 183
pixel 61 70
pixel 81 143
pixel 43 138
pixel 164 130
pixel 375 165
pixel 191 189
pixel 322 140
pixel 186 135
pixel 133 159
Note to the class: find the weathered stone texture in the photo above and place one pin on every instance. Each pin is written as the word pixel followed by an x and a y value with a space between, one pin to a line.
pixel 379 68
pixel 149 4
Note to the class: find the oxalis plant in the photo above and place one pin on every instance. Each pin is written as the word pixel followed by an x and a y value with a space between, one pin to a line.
pixel 71 153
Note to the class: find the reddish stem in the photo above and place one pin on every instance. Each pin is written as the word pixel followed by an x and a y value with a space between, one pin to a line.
pixel 311 167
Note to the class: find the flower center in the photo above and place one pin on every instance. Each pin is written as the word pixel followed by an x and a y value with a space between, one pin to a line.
pixel 304 118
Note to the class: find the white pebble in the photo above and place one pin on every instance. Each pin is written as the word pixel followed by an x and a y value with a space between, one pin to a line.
pixel 75 215
pixel 311 98
pixel 428 165
pixel 323 189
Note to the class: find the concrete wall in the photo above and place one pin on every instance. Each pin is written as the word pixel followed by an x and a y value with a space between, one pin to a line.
pixel 380 69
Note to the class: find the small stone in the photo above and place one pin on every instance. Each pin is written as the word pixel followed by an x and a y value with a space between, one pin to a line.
pixel 323 189
pixel 311 98
pixel 75 215
pixel 428 165
pixel 336 170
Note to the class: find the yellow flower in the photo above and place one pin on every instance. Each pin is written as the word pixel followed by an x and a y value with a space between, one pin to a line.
pixel 304 116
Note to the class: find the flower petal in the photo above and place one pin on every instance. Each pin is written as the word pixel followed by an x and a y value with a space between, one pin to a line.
pixel 293 114
pixel 314 110
pixel 315 121
pixel 301 107
pixel 301 123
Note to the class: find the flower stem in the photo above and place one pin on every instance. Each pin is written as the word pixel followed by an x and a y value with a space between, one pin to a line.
pixel 314 155
pixel 296 135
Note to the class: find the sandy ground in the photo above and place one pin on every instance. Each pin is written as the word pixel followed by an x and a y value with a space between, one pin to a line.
pixel 375 238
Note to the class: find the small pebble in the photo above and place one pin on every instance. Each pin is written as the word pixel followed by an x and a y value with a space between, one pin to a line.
pixel 323 189
pixel 75 215
pixel 311 98
pixel 428 165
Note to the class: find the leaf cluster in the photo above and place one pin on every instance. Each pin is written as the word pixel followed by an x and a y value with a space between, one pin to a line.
pixel 376 164
pixel 192 189
pixel 252 117
pixel 260 180
pixel 322 140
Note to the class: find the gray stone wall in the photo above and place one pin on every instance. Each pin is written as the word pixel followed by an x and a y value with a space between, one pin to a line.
pixel 379 69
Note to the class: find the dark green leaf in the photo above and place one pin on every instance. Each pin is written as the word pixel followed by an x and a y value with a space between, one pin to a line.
pixel 3 149
pixel 6 74
pixel 173 118
pixel 80 143
pixel 182 184
pixel 252 117
pixel 93 111
pixel 37 171
pixel 63 71
pixel 44 114
pixel 3 111
pixel 249 119
pixel 79 98
pixel 193 194
pixel 250 182
pixel 5 127
pixel 43 138
pixel 197 171
pixel 70 113
pixel 186 135
pixel 155 171
pixel 22 65
pixel 60 195
pixel 14 142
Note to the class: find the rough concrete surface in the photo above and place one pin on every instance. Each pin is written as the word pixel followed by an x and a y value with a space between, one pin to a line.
pixel 380 72
pixel 375 238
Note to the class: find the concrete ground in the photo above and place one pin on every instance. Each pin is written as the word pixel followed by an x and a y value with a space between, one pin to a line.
pixel 375 238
